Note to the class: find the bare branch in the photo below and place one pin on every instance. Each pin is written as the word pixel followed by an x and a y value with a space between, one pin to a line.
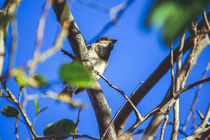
pixel 138 115
pixel 202 131
pixel 195 98
pixel 176 104
pixel 154 78
pixel 14 100
pixel 165 121
pixel 206 20
pixel 16 127
pixel 78 116
pixel 172 69
pixel 40 33
pixel 32 64
pixel 167 101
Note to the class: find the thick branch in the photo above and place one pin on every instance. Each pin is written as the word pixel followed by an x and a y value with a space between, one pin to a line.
pixel 99 103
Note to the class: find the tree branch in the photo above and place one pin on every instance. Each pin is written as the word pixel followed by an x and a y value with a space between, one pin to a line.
pixel 153 79
pixel 6 15
pixel 78 45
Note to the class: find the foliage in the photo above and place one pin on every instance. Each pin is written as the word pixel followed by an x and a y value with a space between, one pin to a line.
pixel 76 74
pixel 174 16
pixel 60 127
pixel 9 111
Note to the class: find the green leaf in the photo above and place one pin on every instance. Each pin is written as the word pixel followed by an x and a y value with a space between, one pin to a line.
pixel 9 111
pixel 37 81
pixel 1 92
pixel 36 103
pixel 174 16
pixel 20 77
pixel 77 75
pixel 62 126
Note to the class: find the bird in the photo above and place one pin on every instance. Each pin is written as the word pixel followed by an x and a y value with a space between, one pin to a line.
pixel 99 53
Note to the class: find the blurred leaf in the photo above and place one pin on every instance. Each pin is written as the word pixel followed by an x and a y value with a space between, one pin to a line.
pixel 27 139
pixel 20 77
pixel 9 111
pixel 174 16
pixel 37 81
pixel 1 92
pixel 36 103
pixel 77 75
pixel 60 127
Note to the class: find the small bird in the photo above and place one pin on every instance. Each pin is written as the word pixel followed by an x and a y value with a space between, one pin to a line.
pixel 99 53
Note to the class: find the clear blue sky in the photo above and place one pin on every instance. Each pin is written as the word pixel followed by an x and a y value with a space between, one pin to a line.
pixel 136 55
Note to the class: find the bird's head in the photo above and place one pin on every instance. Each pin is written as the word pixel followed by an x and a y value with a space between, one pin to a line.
pixel 104 46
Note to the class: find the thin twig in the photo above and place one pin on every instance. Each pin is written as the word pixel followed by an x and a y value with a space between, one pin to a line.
pixel 175 120
pixel 165 121
pixel 138 115
pixel 76 128
pixel 13 44
pixel 172 69
pixel 176 105
pixel 117 112
pixel 115 15
pixel 14 100
pixel 68 54
pixel 201 116
pixel 201 129
pixel 94 5
pixel 137 87
pixel 167 100
pixel 40 32
pixel 20 93
pixel 32 64
pixel 195 98
pixel 180 131
pixel 16 127
pixel 193 120
pixel 206 20
pixel 179 62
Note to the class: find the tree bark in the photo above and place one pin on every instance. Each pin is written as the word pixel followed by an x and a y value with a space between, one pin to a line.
pixel 97 98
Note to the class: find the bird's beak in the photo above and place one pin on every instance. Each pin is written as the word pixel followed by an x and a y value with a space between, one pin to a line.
pixel 114 40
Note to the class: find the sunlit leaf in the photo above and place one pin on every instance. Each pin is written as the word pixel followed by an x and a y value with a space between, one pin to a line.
pixel 62 126
pixel 77 75
pixel 36 103
pixel 174 16
pixel 9 111
pixel 37 81
pixel 20 77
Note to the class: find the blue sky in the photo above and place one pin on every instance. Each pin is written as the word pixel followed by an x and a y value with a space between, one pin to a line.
pixel 136 55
